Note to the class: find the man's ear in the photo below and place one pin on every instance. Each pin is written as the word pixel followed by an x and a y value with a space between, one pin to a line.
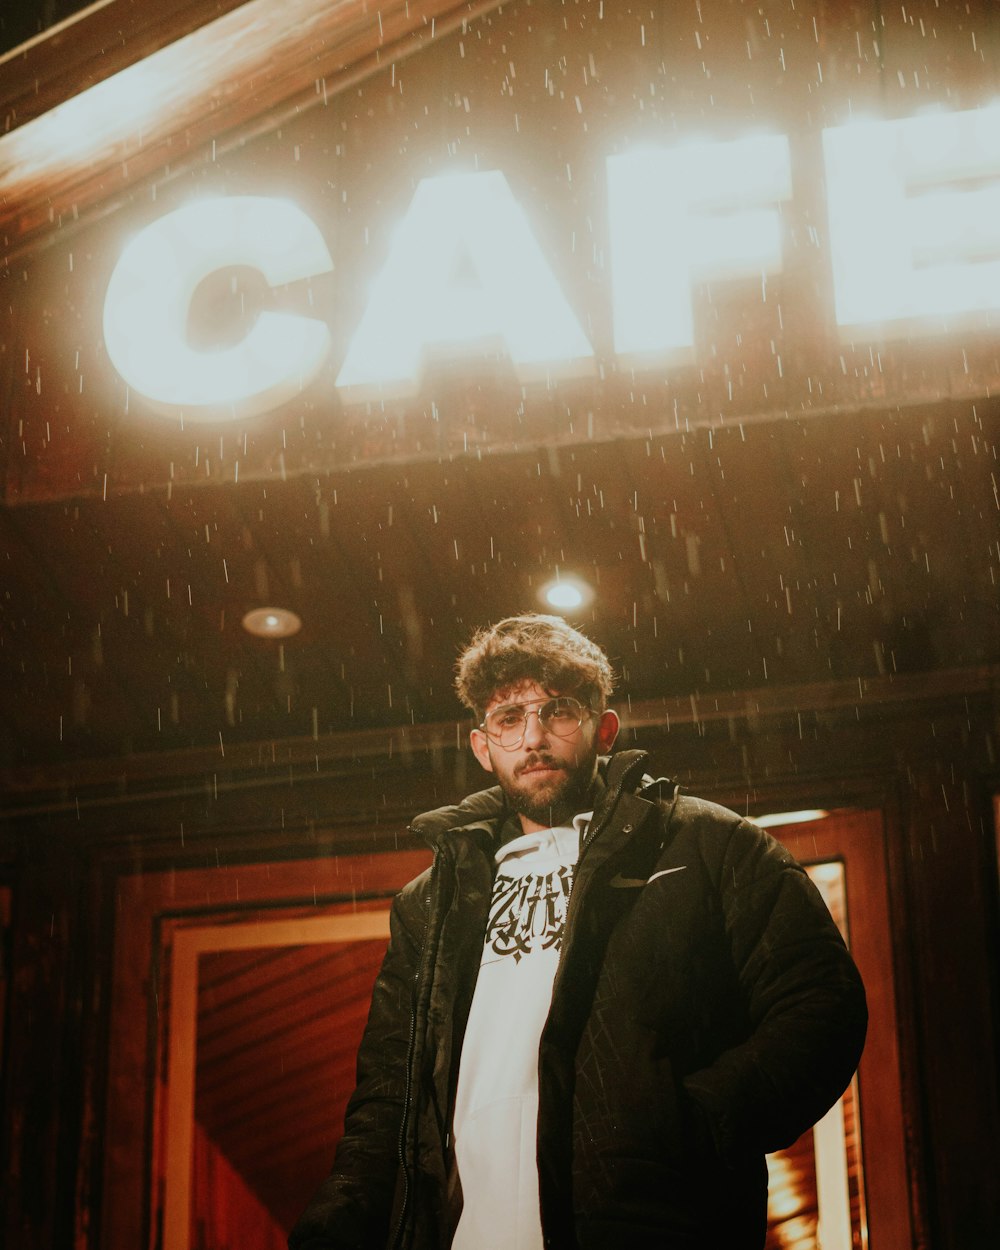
pixel 481 748
pixel 607 730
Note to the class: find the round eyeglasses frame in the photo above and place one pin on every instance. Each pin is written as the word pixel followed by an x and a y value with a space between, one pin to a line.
pixel 510 737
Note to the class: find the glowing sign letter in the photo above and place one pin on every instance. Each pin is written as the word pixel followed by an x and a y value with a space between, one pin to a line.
pixel 464 274
pixel 684 215
pixel 908 242
pixel 149 297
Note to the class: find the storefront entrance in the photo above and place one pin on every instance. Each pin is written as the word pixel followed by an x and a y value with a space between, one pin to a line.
pixel 228 1098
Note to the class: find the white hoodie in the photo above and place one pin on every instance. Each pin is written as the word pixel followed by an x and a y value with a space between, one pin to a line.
pixel 496 1108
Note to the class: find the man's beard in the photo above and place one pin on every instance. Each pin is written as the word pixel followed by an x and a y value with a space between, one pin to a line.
pixel 565 794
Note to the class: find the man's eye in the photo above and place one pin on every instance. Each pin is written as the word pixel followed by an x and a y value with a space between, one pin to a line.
pixel 509 719
pixel 559 711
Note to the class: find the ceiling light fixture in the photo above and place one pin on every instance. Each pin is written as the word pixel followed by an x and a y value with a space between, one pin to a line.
pixel 272 623
pixel 566 594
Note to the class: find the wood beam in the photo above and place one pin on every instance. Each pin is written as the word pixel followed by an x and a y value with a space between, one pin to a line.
pixel 197 96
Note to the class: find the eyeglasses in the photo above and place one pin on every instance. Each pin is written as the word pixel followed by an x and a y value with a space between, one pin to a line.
pixel 507 725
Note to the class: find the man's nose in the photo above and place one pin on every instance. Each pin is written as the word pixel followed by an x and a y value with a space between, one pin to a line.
pixel 534 730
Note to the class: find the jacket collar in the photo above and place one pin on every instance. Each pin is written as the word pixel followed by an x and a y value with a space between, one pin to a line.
pixel 616 774
pixel 486 811
pixel 482 810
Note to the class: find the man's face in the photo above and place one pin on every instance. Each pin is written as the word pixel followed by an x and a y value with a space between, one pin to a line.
pixel 547 778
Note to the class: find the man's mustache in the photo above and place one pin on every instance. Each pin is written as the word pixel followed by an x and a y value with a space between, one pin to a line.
pixel 538 761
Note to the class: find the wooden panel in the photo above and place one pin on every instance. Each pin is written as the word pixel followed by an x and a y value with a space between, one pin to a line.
pixel 190 99
pixel 858 838
pixel 89 46
pixel 147 902
pixel 275 1062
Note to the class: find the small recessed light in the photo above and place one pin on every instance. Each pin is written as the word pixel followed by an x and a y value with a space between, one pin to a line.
pixel 272 623
pixel 566 594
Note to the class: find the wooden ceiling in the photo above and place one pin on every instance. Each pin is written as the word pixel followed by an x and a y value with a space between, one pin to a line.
pixel 723 561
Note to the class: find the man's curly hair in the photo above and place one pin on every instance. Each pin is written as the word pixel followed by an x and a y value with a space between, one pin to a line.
pixel 532 647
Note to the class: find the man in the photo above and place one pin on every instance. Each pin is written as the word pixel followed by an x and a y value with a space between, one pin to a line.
pixel 599 1008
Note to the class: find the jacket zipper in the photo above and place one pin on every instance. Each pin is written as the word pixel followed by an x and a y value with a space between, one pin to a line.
pixel 609 804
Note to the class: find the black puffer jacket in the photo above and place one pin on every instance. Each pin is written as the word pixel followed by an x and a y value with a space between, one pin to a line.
pixel 704 1012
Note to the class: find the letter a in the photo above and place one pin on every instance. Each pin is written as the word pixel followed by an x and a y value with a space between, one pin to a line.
pixel 464 275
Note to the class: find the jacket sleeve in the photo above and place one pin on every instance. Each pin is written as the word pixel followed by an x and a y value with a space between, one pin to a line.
pixel 804 999
pixel 353 1207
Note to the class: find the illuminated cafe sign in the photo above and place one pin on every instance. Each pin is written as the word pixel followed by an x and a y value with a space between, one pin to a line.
pixel 914 236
